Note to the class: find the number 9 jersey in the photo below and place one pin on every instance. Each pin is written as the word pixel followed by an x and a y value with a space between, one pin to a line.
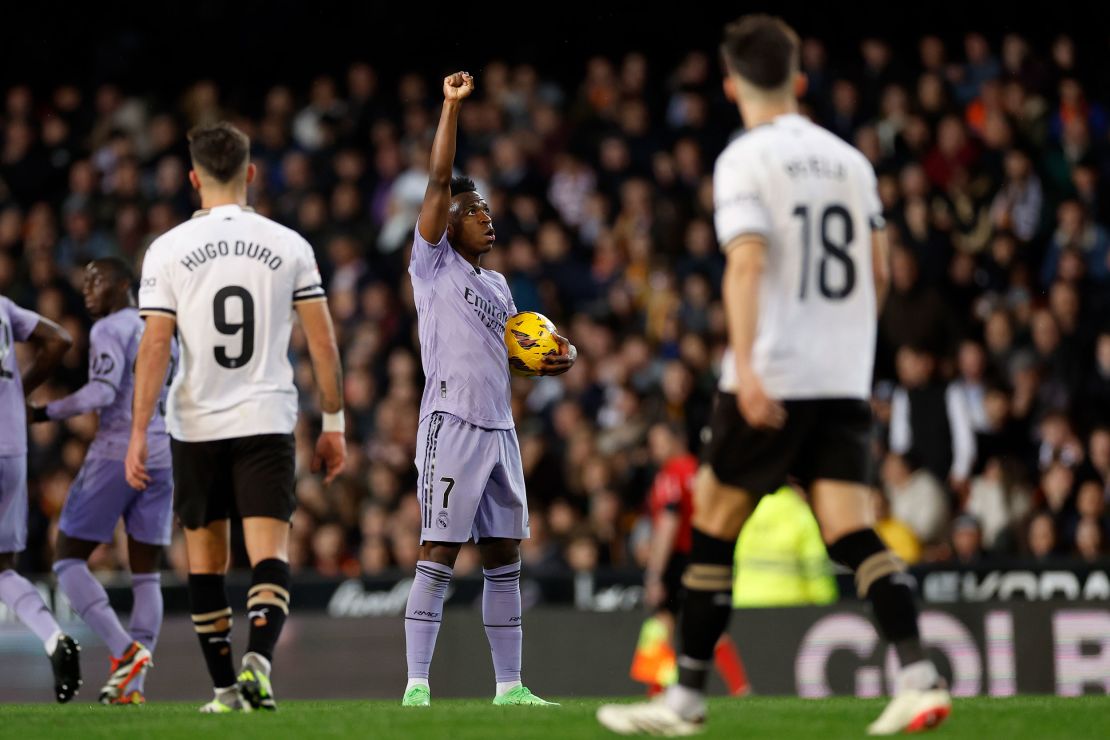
pixel 814 200
pixel 231 278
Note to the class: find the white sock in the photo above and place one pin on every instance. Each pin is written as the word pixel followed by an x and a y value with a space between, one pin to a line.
pixel 505 687
pixel 686 702
pixel 417 682
pixel 919 676
pixel 51 643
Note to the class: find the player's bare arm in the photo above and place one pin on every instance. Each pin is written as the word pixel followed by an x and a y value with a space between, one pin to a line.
pixel 744 266
pixel 880 266
pixel 331 447
pixel 51 342
pixel 659 552
pixel 150 374
pixel 437 198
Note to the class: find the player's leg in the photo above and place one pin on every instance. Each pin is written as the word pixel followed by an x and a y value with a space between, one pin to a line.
pixel 720 511
pixel 501 610
pixel 202 501
pixel 88 598
pixel 453 463
pixel 424 614
pixel 149 521
pixel 146 607
pixel 98 497
pixel 19 594
pixel 501 522
pixel 838 456
pixel 846 517
pixel 207 550
pixel 740 463
pixel 263 475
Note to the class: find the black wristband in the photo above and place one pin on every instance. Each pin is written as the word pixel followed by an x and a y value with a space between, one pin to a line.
pixel 38 414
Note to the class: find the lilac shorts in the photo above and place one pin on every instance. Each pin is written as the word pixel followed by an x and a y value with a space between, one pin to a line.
pixel 470 481
pixel 101 495
pixel 13 503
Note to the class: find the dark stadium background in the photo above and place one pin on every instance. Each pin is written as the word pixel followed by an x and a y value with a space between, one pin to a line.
pixel 257 43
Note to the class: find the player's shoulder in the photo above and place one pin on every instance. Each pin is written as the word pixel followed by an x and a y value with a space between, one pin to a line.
pixel 833 144
pixel 165 242
pixel 286 234
pixel 117 324
pixel 499 279
pixel 746 143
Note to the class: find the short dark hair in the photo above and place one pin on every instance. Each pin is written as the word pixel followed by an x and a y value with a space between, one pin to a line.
pixel 462 184
pixel 220 149
pixel 762 49
pixel 119 270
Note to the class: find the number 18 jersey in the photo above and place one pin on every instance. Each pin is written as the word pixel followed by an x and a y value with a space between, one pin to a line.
pixel 230 277
pixel 815 201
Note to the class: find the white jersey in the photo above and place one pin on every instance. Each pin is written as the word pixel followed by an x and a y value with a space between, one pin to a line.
pixel 230 278
pixel 815 201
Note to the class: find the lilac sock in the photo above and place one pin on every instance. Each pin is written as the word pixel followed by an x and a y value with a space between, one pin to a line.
pixel 146 616
pixel 423 614
pixel 25 600
pixel 501 614
pixel 90 601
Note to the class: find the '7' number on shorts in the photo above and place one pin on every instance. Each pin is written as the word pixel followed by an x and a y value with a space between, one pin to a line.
pixel 446 494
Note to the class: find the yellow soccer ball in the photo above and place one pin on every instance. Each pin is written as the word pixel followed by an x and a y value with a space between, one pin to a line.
pixel 529 337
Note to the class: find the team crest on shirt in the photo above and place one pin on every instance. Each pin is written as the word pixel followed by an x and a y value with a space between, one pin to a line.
pixel 441 520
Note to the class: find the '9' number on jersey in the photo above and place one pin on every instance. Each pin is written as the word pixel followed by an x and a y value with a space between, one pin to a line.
pixel 837 232
pixel 231 328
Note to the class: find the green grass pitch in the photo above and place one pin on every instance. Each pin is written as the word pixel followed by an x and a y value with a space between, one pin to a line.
pixel 1015 718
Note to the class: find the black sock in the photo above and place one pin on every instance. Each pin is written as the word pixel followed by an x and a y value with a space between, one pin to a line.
pixel 212 622
pixel 881 579
pixel 267 605
pixel 706 607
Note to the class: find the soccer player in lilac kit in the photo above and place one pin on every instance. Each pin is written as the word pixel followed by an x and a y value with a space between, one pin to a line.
pixel 470 480
pixel 51 342
pixel 101 495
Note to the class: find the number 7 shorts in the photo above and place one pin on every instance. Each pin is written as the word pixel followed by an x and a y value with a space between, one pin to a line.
pixel 470 481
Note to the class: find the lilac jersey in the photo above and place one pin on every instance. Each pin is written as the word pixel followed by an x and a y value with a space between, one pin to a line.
pixel 113 347
pixel 461 312
pixel 16 325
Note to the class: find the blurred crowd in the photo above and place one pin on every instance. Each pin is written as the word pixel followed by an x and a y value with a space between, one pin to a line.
pixel 992 389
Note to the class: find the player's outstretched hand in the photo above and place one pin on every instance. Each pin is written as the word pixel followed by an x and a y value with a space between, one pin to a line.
pixel 331 455
pixel 457 86
pixel 134 465
pixel 560 363
pixel 758 409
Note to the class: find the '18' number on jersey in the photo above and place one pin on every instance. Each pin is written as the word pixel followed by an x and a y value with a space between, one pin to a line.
pixel 837 232
pixel 223 326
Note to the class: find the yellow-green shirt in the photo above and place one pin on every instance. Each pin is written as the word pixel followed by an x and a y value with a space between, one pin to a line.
pixel 780 556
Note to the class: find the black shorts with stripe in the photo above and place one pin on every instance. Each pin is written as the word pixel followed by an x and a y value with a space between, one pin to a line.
pixel 242 476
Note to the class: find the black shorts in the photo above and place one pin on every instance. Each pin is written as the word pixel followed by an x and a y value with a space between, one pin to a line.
pixel 822 439
pixel 244 476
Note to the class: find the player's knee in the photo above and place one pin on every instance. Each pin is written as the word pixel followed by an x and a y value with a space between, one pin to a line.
pixel 710 567
pixel 143 558
pixel 7 561
pixel 720 510
pixel 498 552
pixel 442 553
